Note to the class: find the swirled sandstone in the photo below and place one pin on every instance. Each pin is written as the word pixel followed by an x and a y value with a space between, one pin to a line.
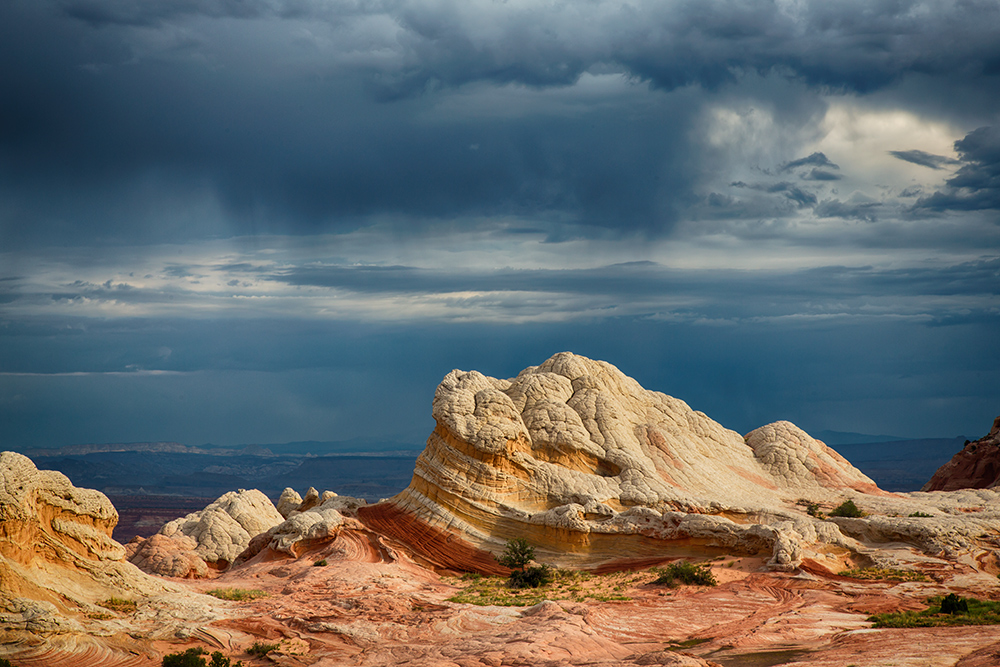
pixel 591 467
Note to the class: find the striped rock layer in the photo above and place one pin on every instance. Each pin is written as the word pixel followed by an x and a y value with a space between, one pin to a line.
pixel 593 469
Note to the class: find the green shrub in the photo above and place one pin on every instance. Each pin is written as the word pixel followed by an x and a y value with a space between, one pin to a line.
pixel 4 662
pixel 320 563
pixel 531 577
pixel 192 658
pixel 237 594
pixel 848 509
pixel 812 509
pixel 517 554
pixel 922 515
pixel 682 572
pixel 189 658
pixel 952 604
pixel 260 649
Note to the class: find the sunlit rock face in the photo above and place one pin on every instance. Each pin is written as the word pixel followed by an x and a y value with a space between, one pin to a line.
pixel 592 468
pixel 56 550
pixel 977 466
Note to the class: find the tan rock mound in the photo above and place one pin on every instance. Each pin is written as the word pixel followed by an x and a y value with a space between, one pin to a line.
pixel 58 563
pixel 977 466
pixel 592 469
pixel 209 540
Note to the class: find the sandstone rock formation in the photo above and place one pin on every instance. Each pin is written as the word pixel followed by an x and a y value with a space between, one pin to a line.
pixel 59 565
pixel 590 467
pixel 209 540
pixel 307 526
pixel 977 466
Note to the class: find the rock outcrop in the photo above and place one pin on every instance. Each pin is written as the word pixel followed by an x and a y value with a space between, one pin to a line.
pixel 207 541
pixel 977 466
pixel 58 563
pixel 584 463
pixel 317 520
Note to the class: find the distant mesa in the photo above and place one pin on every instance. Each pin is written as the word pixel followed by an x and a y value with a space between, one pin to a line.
pixel 595 470
pixel 976 466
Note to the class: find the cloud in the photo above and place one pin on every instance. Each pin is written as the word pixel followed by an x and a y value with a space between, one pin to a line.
pixel 834 208
pixel 820 175
pixel 924 158
pixel 815 160
pixel 976 184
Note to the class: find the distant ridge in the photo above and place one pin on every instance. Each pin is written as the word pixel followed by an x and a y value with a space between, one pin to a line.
pixel 834 438
pixel 353 447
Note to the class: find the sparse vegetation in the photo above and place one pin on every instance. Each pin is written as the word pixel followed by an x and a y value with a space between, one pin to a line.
pixel 683 572
pixel 260 649
pixel 564 585
pixel 947 610
pixel 237 594
pixel 883 574
pixel 320 563
pixel 193 658
pixel 4 662
pixel 812 509
pixel 119 605
pixel 847 509
pixel 922 515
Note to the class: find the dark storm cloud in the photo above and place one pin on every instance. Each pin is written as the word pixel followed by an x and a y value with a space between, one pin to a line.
pixel 789 190
pixel 924 159
pixel 820 175
pixel 741 293
pixel 834 208
pixel 127 121
pixel 814 160
pixel 976 184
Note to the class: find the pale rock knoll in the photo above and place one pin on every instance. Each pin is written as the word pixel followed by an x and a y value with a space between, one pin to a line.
pixel 207 541
pixel 594 469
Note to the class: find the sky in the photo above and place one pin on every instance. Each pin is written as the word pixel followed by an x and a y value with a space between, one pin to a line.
pixel 264 221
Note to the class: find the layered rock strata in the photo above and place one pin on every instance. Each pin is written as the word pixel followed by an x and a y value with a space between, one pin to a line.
pixel 977 466
pixel 591 468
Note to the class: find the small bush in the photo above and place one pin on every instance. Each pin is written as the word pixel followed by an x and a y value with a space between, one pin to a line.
pixel 812 509
pixel 260 649
pixel 4 662
pixel 320 563
pixel 237 594
pixel 531 577
pixel 952 604
pixel 517 554
pixel 847 509
pixel 189 658
pixel 921 515
pixel 120 605
pixel 683 572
